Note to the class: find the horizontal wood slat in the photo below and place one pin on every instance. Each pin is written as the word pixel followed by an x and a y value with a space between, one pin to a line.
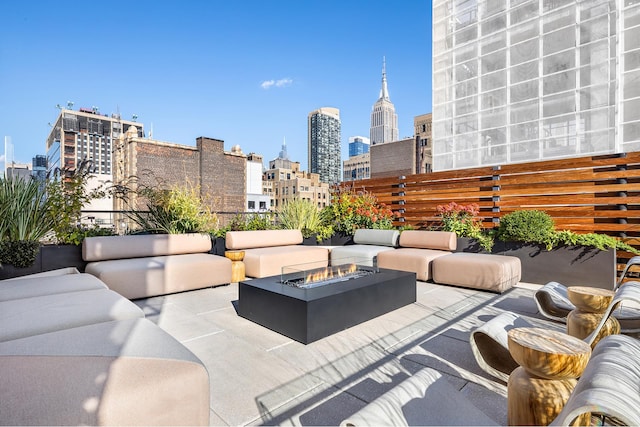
pixel 586 194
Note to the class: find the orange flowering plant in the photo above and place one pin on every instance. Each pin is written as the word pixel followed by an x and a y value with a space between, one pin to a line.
pixel 462 220
pixel 350 210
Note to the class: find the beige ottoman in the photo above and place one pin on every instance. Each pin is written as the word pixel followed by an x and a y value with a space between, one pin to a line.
pixel 414 260
pixel 495 273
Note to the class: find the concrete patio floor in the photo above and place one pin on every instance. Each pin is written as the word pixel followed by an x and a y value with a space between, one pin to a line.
pixel 259 377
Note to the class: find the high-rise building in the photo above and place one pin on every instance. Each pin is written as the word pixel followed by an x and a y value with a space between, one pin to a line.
pixel 358 145
pixel 86 134
pixel 39 168
pixel 384 120
pixel 324 144
pixel 358 165
pixel 532 80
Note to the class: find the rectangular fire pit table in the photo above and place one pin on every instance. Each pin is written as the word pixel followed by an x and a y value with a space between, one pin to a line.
pixel 307 315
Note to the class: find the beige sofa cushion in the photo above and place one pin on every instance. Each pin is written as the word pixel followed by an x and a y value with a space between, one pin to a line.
pixel 410 259
pixel 127 372
pixel 265 262
pixel 496 273
pixel 237 240
pixel 442 240
pixel 143 277
pixel 143 245
pixel 29 286
pixel 38 315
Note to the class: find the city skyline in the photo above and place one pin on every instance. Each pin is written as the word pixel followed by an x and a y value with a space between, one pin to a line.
pixel 212 69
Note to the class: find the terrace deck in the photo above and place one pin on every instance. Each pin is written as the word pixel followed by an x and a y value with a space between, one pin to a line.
pixel 261 377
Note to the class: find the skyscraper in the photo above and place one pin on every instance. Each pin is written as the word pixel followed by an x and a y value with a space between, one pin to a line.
pixel 534 80
pixel 358 145
pixel 384 120
pixel 86 134
pixel 324 144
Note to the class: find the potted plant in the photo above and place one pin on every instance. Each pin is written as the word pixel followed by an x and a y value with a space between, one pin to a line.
pixel 350 210
pixel 24 220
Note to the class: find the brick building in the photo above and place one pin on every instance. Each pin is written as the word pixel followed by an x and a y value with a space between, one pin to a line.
pixel 143 162
pixel 393 159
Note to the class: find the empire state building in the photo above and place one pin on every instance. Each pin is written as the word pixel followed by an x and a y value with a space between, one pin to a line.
pixel 384 120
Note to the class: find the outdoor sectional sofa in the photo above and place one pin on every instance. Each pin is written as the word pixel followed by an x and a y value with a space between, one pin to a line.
pixel 73 352
pixel 266 252
pixel 145 265
pixel 368 244
pixel 430 255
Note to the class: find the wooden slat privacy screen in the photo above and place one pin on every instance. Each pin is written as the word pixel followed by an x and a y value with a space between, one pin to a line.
pixel 598 194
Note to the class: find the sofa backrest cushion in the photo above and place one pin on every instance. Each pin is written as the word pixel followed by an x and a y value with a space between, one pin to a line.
pixel 236 240
pixel 424 239
pixel 102 248
pixel 376 237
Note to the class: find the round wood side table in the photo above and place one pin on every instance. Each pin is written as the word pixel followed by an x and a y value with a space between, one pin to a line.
pixel 237 265
pixel 550 363
pixel 591 303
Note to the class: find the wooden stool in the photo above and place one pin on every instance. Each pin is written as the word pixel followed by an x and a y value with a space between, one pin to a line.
pixel 550 363
pixel 591 303
pixel 237 265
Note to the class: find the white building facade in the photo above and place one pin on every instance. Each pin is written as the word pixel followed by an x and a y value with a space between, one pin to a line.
pixel 528 80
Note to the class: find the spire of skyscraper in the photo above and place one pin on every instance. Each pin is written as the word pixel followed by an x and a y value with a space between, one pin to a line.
pixel 384 120
pixel 384 92
pixel 283 153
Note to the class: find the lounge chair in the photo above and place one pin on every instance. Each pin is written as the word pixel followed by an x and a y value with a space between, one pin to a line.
pixel 489 342
pixel 553 303
pixel 609 386
pixel 424 399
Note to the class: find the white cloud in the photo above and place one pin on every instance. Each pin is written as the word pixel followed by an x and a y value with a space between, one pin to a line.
pixel 267 84
pixel 277 83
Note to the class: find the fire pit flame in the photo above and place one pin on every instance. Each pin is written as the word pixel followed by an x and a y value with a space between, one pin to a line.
pixel 330 273
pixel 327 275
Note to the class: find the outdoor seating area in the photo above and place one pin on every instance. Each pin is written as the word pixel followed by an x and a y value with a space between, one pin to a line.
pixel 200 355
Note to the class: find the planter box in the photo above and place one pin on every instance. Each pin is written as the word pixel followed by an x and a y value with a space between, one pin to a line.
pixel 218 246
pixel 568 265
pixel 50 257
pixel 341 239
pixel 466 244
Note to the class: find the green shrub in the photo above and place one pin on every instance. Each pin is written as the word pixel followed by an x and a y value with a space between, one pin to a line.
pixel 531 226
pixel 350 210
pixel 596 240
pixel 19 253
pixel 67 194
pixel 461 219
pixel 303 215
pixel 175 211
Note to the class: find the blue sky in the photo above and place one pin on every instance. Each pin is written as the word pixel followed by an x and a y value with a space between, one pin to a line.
pixel 247 72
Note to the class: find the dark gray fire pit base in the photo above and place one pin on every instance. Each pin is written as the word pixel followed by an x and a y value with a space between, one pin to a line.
pixel 307 315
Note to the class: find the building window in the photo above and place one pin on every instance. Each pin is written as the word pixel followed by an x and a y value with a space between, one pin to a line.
pixel 251 204
pixel 263 205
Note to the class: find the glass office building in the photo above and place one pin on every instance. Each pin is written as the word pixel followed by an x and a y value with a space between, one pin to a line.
pixel 527 80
